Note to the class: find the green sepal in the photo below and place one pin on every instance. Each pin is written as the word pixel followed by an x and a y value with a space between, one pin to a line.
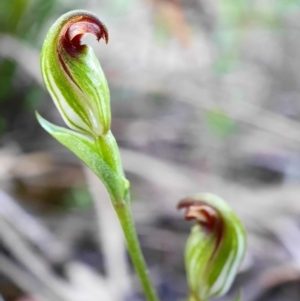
pixel 199 248
pixel 100 159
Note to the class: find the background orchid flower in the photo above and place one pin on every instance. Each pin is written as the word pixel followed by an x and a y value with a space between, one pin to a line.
pixel 215 248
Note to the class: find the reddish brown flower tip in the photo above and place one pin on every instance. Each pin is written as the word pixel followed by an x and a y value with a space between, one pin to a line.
pixel 200 211
pixel 205 215
pixel 76 27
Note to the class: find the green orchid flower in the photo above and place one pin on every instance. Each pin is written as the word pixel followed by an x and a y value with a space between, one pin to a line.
pixel 215 248
pixel 77 84
pixel 73 75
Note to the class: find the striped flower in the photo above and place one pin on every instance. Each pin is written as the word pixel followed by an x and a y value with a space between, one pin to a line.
pixel 215 247
pixel 73 74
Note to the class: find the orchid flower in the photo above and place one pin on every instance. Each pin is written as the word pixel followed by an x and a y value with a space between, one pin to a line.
pixel 215 247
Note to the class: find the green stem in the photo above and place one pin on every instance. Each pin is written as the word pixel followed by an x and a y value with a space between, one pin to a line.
pixel 125 217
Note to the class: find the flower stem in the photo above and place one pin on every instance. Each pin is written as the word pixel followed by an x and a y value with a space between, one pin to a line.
pixel 124 213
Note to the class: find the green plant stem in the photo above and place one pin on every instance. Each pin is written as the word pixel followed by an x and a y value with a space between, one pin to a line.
pixel 134 249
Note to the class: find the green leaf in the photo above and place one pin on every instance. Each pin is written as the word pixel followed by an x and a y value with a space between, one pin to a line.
pixel 87 150
pixel 233 12
pixel 220 123
pixel 78 198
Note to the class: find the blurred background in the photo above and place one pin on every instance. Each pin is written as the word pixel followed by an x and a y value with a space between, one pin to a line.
pixel 205 97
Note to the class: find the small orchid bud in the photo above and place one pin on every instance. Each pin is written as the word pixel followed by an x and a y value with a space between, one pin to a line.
pixel 215 247
pixel 73 75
